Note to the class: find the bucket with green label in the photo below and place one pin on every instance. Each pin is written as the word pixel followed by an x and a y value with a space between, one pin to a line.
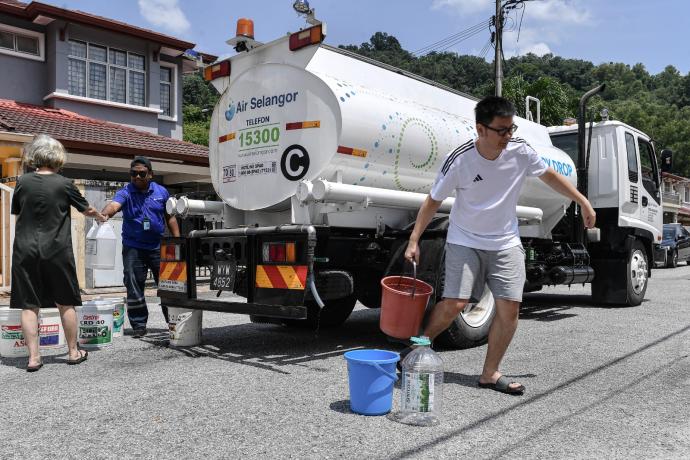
pixel 95 324
pixel 119 313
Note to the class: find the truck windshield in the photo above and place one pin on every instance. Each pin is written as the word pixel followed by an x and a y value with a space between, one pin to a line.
pixel 567 143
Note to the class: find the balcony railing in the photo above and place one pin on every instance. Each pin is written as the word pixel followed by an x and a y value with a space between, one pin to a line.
pixel 671 198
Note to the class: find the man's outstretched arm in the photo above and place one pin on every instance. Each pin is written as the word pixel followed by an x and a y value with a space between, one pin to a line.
pixel 561 185
pixel 426 213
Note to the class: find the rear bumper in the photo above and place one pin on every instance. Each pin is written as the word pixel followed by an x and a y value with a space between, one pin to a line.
pixel 202 248
pixel 242 308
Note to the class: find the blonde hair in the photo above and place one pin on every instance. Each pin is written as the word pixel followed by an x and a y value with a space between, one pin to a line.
pixel 44 152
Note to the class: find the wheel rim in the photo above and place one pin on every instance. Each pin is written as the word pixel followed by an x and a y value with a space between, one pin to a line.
pixel 675 258
pixel 476 314
pixel 638 271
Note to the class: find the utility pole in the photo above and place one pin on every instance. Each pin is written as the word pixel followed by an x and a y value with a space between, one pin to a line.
pixel 498 45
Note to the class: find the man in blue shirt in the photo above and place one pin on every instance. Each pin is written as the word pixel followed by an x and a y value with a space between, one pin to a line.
pixel 142 203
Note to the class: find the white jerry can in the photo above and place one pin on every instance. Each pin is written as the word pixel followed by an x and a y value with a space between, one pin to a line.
pixel 101 242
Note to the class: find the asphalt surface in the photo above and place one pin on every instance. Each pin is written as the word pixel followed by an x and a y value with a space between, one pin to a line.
pixel 601 383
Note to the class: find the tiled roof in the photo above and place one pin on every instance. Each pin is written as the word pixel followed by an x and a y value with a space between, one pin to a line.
pixel 83 133
pixel 14 3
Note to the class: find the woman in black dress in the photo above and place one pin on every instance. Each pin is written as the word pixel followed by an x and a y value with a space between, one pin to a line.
pixel 43 270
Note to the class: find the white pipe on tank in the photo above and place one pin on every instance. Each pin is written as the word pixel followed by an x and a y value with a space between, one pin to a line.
pixel 186 207
pixel 322 190
pixel 171 206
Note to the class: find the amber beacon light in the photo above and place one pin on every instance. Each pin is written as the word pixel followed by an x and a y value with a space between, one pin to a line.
pixel 245 28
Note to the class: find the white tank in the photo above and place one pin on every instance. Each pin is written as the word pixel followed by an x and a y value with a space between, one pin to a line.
pixel 286 117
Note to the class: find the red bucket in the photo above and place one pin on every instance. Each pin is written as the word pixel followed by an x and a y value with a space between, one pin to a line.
pixel 403 302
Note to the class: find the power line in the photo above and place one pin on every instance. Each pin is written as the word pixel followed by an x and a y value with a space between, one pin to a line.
pixel 454 39
pixel 485 50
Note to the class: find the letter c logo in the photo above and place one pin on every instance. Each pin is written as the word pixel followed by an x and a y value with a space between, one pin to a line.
pixel 294 163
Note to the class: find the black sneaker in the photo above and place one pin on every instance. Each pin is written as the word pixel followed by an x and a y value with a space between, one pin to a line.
pixel 139 333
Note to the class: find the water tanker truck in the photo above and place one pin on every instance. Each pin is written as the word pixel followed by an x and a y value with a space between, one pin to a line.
pixel 322 157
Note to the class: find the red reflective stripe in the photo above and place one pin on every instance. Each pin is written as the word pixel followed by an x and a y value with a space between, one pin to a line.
pixel 179 268
pixel 291 126
pixel 276 278
pixel 301 271
pixel 345 150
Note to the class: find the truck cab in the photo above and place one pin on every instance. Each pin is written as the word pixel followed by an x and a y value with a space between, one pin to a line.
pixel 623 185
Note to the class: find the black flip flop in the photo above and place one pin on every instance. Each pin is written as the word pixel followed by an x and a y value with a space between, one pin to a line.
pixel 502 385
pixel 79 360
pixel 34 368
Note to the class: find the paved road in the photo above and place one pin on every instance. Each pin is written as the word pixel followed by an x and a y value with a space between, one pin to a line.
pixel 601 383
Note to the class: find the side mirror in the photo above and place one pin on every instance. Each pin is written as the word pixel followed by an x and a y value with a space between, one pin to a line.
pixel 666 160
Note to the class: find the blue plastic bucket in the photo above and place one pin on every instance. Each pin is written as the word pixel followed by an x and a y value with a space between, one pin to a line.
pixel 371 375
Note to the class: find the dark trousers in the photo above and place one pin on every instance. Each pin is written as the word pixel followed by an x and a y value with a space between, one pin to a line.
pixel 137 263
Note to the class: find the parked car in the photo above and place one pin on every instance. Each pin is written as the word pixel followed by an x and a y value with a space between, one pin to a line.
pixel 674 247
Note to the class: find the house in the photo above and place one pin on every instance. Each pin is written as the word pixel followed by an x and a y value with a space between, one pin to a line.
pixel 675 192
pixel 108 91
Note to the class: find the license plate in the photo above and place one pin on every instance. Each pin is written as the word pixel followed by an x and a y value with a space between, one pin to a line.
pixel 223 275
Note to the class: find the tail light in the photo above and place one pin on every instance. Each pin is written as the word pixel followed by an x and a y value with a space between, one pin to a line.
pixel 279 252
pixel 306 37
pixel 171 252
pixel 214 71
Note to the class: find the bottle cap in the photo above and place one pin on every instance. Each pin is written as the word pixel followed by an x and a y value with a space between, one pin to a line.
pixel 422 340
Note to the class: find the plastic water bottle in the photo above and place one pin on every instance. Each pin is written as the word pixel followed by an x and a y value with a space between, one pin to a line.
pixel 422 386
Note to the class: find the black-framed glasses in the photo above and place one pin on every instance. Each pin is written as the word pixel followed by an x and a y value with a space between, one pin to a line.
pixel 502 131
pixel 140 174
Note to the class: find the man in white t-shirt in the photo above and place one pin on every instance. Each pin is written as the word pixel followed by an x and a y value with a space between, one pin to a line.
pixel 483 244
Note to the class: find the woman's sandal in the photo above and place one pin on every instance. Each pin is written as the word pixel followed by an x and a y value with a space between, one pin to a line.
pixel 502 385
pixel 34 368
pixel 79 360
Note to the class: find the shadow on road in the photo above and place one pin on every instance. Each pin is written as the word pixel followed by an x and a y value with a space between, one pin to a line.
pixel 342 406
pixel 276 347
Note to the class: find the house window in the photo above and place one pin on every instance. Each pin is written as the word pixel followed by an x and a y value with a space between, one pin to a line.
pixel 167 90
pixel 21 43
pixel 104 73
pixel 686 196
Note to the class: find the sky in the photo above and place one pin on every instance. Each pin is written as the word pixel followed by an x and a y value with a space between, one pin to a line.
pixel 652 32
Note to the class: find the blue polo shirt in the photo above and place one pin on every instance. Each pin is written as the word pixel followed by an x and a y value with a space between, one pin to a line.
pixel 138 205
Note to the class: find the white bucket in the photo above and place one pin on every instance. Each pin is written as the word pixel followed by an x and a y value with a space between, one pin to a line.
pixel 12 344
pixel 184 326
pixel 95 324
pixel 119 313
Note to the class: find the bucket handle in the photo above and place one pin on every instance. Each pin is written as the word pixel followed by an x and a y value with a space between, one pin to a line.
pixel 391 375
pixel 414 272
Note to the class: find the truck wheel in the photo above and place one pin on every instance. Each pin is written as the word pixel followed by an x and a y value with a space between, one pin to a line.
pixel 672 261
pixel 333 314
pixel 471 327
pixel 637 273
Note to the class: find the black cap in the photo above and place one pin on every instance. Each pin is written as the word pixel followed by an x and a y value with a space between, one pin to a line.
pixel 142 161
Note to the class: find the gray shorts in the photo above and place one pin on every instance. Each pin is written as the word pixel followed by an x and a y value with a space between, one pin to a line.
pixel 468 270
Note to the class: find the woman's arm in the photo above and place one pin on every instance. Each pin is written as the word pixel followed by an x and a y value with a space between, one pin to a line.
pixel 93 212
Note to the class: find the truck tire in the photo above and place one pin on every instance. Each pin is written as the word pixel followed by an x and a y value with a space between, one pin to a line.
pixel 672 260
pixel 333 314
pixel 471 327
pixel 636 278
